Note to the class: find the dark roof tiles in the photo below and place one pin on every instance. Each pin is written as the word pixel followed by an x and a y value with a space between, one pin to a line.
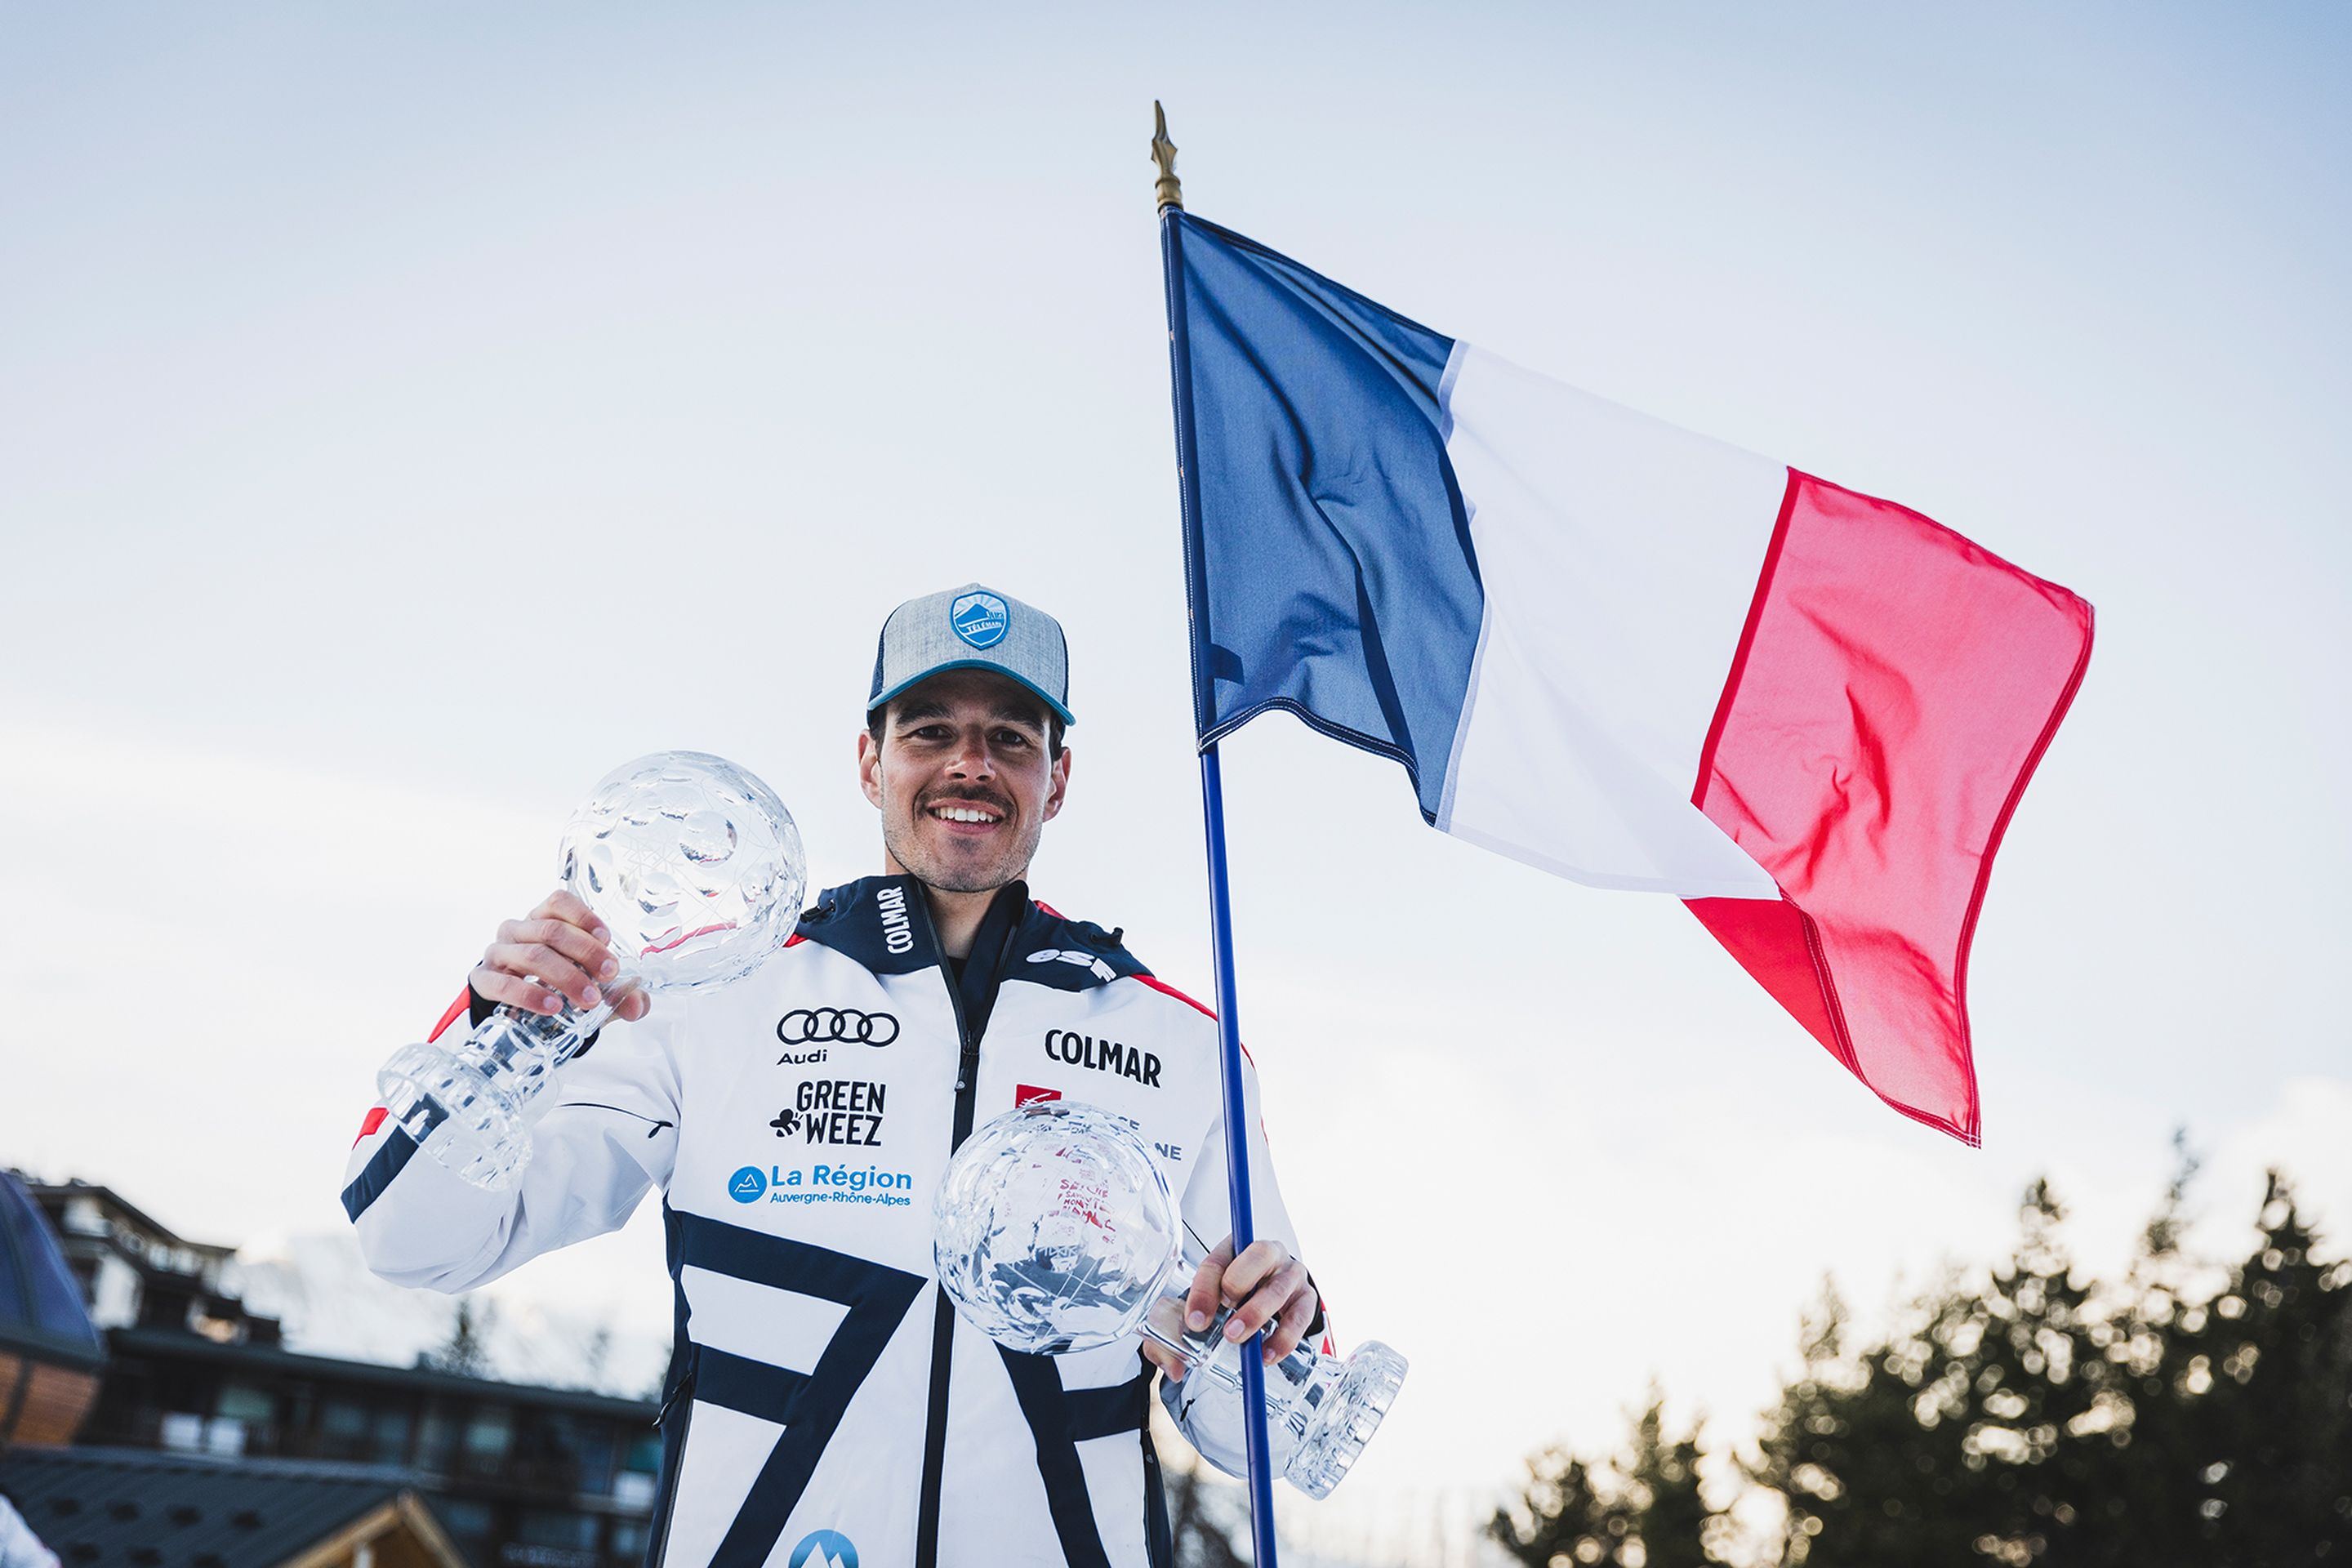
pixel 120 1507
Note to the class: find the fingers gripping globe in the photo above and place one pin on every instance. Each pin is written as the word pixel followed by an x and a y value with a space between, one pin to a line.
pixel 696 868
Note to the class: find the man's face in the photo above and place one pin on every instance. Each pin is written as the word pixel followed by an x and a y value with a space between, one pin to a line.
pixel 962 780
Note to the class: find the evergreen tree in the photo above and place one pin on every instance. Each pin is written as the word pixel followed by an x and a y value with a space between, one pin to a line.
pixel 1562 1516
pixel 2030 1416
pixel 2137 1442
pixel 1210 1522
pixel 467 1351
pixel 2026 1394
pixel 1675 1525
pixel 2270 1383
pixel 1643 1511
pixel 2041 1419
pixel 1861 1447
pixel 1987 1427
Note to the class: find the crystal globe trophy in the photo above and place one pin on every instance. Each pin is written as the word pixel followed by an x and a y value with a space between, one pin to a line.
pixel 695 867
pixel 1054 1231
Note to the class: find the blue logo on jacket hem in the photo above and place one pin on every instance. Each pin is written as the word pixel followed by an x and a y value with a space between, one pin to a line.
pixel 980 619
pixel 824 1548
pixel 749 1186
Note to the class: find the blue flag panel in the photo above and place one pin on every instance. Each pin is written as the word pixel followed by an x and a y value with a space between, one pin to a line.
pixel 1330 565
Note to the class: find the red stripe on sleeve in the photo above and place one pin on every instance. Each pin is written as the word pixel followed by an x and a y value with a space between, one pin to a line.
pixel 1166 990
pixel 457 1009
pixel 375 1119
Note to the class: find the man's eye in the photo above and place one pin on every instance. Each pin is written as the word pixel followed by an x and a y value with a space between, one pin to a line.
pixel 1011 738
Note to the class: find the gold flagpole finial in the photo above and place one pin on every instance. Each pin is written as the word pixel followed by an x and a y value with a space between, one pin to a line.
pixel 1170 191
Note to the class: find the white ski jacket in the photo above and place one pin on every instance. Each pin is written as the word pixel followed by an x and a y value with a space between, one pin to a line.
pixel 826 1404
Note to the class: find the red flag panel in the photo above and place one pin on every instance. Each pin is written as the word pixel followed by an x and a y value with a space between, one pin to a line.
pixel 1894 688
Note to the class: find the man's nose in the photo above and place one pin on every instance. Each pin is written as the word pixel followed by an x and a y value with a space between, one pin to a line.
pixel 971 758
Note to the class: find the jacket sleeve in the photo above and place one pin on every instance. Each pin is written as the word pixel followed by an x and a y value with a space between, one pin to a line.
pixel 1211 1418
pixel 1207 1206
pixel 19 1547
pixel 604 1132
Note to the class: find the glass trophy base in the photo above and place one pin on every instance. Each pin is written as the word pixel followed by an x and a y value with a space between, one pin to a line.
pixel 1343 1419
pixel 1320 1411
pixel 464 1105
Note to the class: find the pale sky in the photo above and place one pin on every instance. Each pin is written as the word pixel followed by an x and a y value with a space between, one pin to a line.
pixel 407 415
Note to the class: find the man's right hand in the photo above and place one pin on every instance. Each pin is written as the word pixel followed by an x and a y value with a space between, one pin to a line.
pixel 557 952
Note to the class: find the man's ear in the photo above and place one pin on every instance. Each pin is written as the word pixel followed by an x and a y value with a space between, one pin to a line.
pixel 1060 786
pixel 870 767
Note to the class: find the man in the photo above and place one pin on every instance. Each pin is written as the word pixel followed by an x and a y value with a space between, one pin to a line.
pixel 826 1404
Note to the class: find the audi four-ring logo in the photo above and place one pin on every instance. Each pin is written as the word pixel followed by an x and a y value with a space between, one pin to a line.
pixel 806 1026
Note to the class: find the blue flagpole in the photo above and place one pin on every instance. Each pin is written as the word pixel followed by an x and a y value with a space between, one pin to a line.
pixel 1213 812
pixel 1237 1172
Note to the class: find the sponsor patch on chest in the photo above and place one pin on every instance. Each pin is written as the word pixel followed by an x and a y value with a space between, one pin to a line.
pixel 834 1110
pixel 1103 1054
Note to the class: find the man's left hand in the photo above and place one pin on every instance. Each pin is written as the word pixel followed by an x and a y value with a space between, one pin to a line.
pixel 1271 1287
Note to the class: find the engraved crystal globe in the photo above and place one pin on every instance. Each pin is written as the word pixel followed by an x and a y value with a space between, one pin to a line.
pixel 1054 1231
pixel 696 868
pixel 1052 1228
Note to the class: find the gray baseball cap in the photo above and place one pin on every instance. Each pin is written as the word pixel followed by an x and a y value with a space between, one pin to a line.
pixel 972 628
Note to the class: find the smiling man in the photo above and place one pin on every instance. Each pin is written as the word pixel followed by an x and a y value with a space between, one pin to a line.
pixel 824 1397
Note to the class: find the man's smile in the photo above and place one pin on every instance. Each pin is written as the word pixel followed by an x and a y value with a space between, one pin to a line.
pixel 966 818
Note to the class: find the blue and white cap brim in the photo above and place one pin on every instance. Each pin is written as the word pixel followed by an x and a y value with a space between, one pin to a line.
pixel 972 628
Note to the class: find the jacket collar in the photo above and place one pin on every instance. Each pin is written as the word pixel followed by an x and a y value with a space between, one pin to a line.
pixel 884 924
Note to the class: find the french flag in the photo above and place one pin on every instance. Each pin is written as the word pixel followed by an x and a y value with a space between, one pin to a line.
pixel 1618 651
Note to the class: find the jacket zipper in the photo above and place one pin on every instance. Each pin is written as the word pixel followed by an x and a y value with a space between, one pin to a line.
pixel 935 1428
pixel 657 1553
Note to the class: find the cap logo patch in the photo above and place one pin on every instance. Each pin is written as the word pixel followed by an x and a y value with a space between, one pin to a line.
pixel 979 619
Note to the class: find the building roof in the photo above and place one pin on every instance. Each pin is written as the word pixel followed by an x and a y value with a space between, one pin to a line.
pixel 78 1188
pixel 177 1344
pixel 41 1314
pixel 123 1507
